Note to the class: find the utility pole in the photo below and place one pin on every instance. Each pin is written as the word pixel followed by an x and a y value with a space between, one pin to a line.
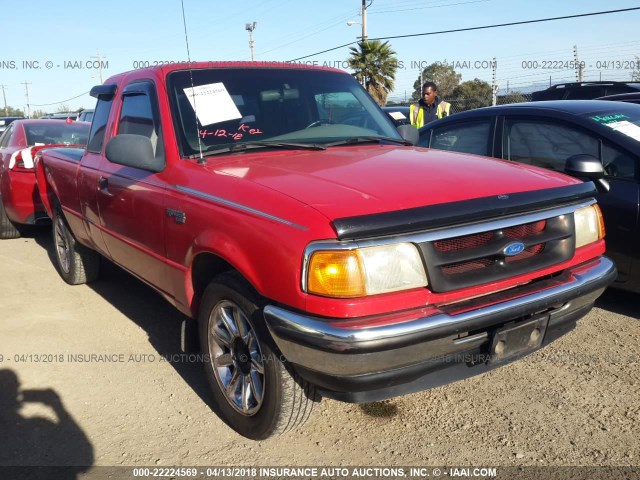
pixel 364 19
pixel 6 110
pixel 250 27
pixel 99 58
pixel 578 64
pixel 26 89
pixel 494 85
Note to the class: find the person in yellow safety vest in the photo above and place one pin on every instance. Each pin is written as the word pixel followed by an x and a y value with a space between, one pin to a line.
pixel 429 108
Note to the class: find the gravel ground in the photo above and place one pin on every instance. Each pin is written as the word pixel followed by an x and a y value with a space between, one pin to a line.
pixel 574 403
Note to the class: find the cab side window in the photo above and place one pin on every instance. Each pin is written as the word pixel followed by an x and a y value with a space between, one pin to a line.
pixel 138 117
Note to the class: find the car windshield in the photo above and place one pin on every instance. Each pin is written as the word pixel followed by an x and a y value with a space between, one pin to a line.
pixel 624 118
pixel 227 107
pixel 56 132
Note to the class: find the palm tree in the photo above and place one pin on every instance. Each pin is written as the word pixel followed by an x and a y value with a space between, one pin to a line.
pixel 375 66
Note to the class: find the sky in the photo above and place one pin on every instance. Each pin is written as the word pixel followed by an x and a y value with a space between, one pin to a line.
pixel 57 54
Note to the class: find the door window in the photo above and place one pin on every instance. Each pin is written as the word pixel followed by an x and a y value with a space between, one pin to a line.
pixel 468 137
pixel 617 163
pixel 546 143
pixel 137 117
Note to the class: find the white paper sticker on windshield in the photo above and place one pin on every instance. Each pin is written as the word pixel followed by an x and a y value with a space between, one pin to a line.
pixel 212 103
pixel 628 128
pixel 1 122
pixel 397 115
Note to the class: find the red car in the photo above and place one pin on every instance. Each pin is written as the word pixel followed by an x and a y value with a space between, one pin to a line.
pixel 20 202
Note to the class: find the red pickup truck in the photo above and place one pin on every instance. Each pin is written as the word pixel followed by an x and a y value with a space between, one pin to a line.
pixel 321 253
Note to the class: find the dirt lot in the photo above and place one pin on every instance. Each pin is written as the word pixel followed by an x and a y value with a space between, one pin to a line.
pixel 576 402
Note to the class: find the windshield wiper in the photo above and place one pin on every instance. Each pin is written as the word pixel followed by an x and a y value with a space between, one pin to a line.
pixel 368 139
pixel 241 147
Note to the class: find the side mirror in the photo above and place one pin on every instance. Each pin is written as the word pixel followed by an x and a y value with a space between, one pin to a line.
pixel 409 133
pixel 587 167
pixel 133 151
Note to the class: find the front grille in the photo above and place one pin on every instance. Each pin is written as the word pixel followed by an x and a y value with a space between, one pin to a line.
pixel 469 260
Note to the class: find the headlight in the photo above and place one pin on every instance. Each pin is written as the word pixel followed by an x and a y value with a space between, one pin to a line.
pixel 365 271
pixel 589 225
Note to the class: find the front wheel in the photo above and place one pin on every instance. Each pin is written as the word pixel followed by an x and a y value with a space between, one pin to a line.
pixel 76 264
pixel 253 391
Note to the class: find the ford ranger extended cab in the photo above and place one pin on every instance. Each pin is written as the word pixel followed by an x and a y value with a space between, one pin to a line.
pixel 321 254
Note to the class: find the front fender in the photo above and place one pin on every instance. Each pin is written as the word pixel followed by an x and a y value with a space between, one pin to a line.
pixel 225 248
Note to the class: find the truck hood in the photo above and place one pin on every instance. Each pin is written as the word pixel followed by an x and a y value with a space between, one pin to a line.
pixel 358 180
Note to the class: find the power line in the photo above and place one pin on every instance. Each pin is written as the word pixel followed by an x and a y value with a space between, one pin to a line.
pixel 324 51
pixel 483 27
pixel 524 22
pixel 58 103
pixel 292 40
pixel 429 7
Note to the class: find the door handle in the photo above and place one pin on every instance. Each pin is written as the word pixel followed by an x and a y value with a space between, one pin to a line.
pixel 103 186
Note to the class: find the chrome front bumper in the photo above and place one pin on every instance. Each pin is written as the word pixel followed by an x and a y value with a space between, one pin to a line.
pixel 320 346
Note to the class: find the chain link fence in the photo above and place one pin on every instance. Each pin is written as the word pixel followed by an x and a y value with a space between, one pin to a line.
pixel 461 104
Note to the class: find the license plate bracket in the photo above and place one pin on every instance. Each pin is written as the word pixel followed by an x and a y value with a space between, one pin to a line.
pixel 517 339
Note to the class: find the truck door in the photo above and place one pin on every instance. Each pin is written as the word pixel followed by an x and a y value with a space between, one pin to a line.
pixel 131 200
pixel 89 173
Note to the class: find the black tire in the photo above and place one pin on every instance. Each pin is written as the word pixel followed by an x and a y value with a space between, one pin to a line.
pixel 287 400
pixel 7 228
pixel 75 263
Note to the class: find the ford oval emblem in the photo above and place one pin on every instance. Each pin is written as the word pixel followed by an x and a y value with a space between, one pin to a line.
pixel 513 249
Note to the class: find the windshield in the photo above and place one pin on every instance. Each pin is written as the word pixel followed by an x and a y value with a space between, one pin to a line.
pixel 235 106
pixel 623 118
pixel 51 132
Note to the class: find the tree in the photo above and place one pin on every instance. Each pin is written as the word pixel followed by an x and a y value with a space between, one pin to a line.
pixel 11 112
pixel 472 94
pixel 440 73
pixel 374 64
pixel 63 108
